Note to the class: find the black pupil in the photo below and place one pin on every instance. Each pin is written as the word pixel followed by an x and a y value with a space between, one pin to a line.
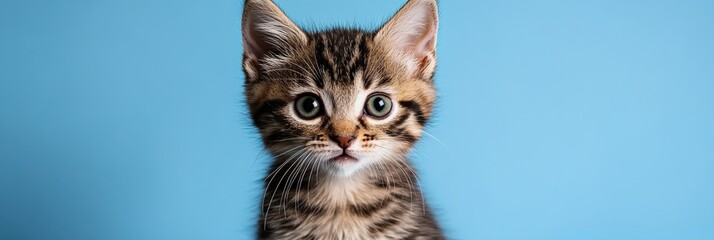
pixel 309 105
pixel 378 104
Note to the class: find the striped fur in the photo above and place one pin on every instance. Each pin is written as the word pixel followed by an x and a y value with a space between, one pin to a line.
pixel 307 194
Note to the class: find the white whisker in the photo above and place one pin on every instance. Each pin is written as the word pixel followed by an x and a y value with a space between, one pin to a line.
pixel 283 177
pixel 267 186
pixel 432 136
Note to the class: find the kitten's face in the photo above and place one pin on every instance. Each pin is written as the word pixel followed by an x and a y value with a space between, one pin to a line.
pixel 339 100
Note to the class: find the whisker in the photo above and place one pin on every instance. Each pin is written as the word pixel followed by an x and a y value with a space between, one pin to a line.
pixel 421 191
pixel 301 151
pixel 299 187
pixel 416 178
pixel 432 136
pixel 289 139
pixel 291 179
pixel 283 177
pixel 276 157
pixel 261 155
pixel 312 168
pixel 411 184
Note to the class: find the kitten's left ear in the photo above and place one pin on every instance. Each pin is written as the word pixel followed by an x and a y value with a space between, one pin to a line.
pixel 266 31
pixel 410 36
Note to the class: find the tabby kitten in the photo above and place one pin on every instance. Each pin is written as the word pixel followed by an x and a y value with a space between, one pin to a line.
pixel 339 110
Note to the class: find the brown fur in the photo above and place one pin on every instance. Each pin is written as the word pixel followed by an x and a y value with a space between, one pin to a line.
pixel 308 196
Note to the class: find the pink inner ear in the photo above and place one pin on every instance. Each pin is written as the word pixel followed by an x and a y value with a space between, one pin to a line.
pixel 426 42
pixel 255 44
pixel 251 48
pixel 412 31
pixel 248 37
pixel 264 26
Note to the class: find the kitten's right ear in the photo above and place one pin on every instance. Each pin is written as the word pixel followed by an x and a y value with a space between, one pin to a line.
pixel 411 36
pixel 266 29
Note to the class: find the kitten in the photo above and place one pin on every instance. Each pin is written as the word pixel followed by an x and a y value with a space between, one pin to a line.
pixel 339 110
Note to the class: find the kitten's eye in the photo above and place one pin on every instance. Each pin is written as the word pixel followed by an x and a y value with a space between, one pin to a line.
pixel 378 106
pixel 308 106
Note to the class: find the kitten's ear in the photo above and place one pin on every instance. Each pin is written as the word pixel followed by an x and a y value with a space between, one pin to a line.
pixel 410 35
pixel 266 30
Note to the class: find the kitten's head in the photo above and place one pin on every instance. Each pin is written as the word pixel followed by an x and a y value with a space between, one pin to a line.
pixel 340 99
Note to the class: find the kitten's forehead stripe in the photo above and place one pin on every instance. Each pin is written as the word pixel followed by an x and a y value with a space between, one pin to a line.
pixel 322 62
pixel 384 81
pixel 341 53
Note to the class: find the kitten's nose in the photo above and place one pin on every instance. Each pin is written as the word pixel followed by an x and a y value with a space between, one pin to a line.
pixel 344 141
pixel 343 132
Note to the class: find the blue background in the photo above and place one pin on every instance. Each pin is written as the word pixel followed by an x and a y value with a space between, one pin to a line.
pixel 556 119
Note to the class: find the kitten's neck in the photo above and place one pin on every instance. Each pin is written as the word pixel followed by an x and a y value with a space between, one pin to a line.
pixel 396 178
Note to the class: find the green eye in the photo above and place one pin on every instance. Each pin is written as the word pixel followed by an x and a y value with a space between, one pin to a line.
pixel 378 106
pixel 308 106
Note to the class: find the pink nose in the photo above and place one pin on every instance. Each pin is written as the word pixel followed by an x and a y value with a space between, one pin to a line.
pixel 343 141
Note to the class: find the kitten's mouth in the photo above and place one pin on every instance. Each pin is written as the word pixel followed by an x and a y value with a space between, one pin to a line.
pixel 344 158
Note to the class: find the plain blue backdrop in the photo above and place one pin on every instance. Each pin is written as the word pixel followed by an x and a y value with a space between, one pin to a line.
pixel 557 119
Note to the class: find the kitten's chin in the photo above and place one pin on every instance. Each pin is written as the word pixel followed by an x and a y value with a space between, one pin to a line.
pixel 344 165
